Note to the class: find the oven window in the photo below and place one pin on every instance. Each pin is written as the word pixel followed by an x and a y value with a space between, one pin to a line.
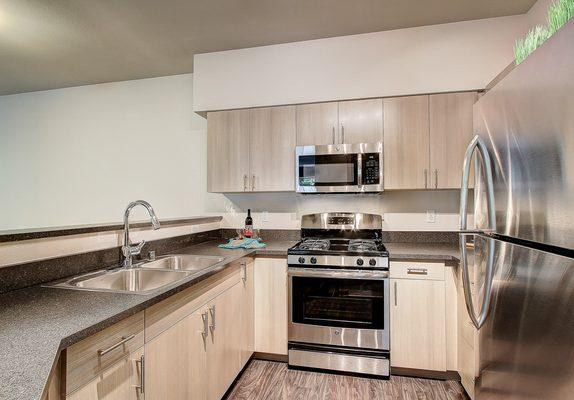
pixel 349 303
pixel 328 170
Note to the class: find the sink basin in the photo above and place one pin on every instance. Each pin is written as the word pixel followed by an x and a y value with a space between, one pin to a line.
pixel 183 262
pixel 131 280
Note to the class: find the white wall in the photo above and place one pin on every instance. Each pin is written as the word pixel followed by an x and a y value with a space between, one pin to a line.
pixel 448 57
pixel 79 155
pixel 402 210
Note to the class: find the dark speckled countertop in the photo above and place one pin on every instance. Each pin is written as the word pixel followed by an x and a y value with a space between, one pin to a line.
pixel 36 323
pixel 424 251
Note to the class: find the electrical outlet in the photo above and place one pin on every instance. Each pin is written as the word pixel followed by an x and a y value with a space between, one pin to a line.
pixel 431 216
pixel 265 216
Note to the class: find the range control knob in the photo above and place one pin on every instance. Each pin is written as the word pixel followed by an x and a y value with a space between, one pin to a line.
pixel 372 262
pixel 359 261
pixel 313 260
pixel 301 260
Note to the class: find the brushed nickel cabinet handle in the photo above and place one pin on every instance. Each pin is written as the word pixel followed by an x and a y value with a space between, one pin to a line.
pixel 436 178
pixel 342 133
pixel 205 320
pixel 141 386
pixel 245 183
pixel 125 339
pixel 244 277
pixel 333 134
pixel 426 172
pixel 212 313
pixel 417 271
pixel 395 283
pixel 253 182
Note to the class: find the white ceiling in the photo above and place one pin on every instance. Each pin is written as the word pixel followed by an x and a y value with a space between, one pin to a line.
pixel 46 44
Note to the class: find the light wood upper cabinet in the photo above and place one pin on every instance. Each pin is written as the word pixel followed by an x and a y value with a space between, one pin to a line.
pixel 450 133
pixel 272 149
pixel 317 124
pixel 418 327
pixel 121 381
pixel 406 142
pixel 361 121
pixel 271 305
pixel 176 361
pixel 228 151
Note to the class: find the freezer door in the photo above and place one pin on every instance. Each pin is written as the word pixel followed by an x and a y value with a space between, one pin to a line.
pixel 526 345
pixel 527 122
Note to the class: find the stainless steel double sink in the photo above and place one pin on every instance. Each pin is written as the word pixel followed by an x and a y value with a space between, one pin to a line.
pixel 144 277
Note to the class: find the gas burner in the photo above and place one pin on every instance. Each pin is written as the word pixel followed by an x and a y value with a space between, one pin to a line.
pixel 362 245
pixel 314 244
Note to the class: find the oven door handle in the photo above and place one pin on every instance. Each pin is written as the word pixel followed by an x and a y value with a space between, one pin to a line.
pixel 337 274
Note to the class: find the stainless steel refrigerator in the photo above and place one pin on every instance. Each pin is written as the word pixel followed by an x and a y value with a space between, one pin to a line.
pixel 521 242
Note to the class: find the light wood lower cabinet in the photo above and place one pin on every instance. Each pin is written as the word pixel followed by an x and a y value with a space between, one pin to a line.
pixel 200 356
pixel 247 312
pixel 271 305
pixel 423 316
pixel 121 381
pixel 418 327
pixel 224 343
pixel 176 360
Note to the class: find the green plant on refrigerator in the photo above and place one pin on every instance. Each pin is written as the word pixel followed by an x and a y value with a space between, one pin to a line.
pixel 558 14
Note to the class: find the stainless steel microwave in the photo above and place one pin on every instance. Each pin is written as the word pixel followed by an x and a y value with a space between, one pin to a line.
pixel 339 168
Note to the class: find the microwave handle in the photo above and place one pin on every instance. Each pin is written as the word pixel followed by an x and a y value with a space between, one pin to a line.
pixel 360 169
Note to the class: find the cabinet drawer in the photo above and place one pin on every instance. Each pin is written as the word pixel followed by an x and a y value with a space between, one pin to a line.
pixel 417 270
pixel 86 359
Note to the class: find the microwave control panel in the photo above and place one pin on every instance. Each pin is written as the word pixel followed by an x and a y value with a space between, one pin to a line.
pixel 371 169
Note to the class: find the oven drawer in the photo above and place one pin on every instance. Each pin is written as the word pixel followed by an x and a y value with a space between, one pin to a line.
pixel 335 361
pixel 417 270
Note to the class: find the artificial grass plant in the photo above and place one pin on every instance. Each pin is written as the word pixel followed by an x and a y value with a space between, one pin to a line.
pixel 558 14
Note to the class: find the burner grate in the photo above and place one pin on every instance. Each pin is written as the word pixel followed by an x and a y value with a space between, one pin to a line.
pixel 360 245
pixel 314 244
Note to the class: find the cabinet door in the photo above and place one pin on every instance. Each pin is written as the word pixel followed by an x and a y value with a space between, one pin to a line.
pixel 228 151
pixel 361 121
pixel 247 313
pixel 271 305
pixel 273 136
pixel 176 361
pixel 450 133
pixel 418 333
pixel 317 124
pixel 406 142
pixel 121 381
pixel 224 353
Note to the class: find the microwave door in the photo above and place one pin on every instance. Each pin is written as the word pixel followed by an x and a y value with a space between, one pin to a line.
pixel 328 173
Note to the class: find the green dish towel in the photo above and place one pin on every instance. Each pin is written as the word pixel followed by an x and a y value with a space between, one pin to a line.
pixel 246 243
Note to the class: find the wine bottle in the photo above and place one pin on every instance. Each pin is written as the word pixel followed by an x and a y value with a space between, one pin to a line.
pixel 248 229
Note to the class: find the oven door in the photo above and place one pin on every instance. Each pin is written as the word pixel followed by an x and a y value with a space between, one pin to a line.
pixel 339 168
pixel 339 307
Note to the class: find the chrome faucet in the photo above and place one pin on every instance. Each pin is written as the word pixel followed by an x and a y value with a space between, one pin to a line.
pixel 127 249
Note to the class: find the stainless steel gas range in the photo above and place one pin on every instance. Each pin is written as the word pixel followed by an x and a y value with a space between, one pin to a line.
pixel 339 295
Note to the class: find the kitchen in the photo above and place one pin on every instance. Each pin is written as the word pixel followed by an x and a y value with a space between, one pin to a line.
pixel 367 200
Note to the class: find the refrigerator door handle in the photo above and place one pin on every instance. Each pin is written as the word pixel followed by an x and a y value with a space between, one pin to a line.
pixel 479 320
pixel 477 144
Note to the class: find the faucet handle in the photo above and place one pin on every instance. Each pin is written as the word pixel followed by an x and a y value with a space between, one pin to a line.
pixel 138 248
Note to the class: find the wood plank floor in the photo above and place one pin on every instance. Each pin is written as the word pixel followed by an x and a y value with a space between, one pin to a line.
pixel 272 380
